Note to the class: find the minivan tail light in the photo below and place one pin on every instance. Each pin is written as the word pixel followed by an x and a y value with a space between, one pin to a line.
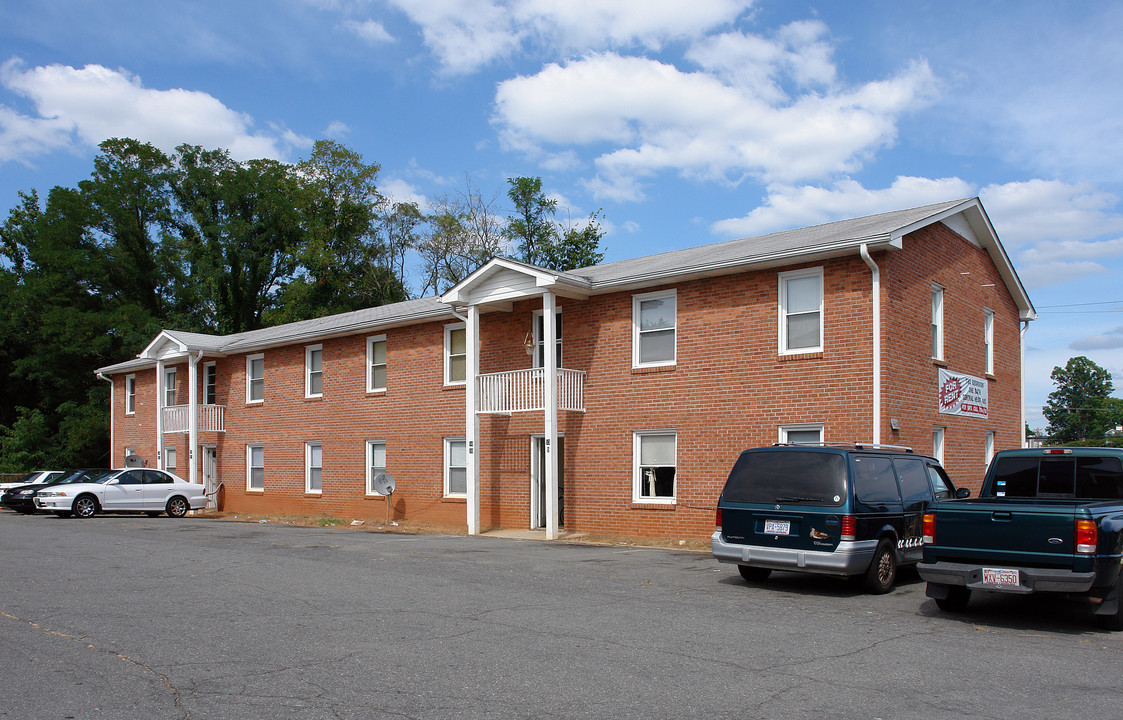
pixel 849 528
pixel 1086 537
pixel 717 520
pixel 928 529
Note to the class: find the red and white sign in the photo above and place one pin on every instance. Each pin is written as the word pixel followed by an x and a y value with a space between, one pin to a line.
pixel 962 394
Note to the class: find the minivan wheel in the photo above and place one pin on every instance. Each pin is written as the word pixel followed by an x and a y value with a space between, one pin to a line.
pixel 882 572
pixel 753 574
pixel 85 506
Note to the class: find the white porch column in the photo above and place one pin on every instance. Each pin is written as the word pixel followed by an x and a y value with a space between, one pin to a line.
pixel 160 395
pixel 550 409
pixel 193 415
pixel 471 420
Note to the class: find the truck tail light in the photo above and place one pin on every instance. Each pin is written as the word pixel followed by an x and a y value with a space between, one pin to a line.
pixel 1086 537
pixel 929 528
pixel 717 520
pixel 849 528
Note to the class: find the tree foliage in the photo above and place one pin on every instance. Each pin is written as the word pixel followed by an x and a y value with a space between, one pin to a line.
pixel 1080 408
pixel 201 242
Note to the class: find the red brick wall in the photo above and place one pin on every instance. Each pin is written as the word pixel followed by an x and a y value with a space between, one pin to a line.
pixel 971 284
pixel 730 389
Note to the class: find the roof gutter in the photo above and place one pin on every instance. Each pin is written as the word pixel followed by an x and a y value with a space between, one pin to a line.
pixel 876 271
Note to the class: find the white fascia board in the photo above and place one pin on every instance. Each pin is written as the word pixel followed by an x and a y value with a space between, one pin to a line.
pixel 152 351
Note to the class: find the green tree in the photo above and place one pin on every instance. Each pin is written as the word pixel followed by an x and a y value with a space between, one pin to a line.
pixel 343 262
pixel 576 246
pixel 1079 407
pixel 543 241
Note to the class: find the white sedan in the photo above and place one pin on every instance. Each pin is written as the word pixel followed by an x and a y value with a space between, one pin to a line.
pixel 133 490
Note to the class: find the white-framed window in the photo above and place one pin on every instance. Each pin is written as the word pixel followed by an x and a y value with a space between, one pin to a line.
pixel 654 454
pixel 314 371
pixel 313 467
pixel 654 328
pixel 801 311
pixel 376 462
pixel 456 354
pixel 937 322
pixel 129 450
pixel 801 434
pixel 376 363
pixel 130 394
pixel 540 338
pixel 169 459
pixel 255 378
pixel 938 443
pixel 988 340
pixel 169 387
pixel 456 467
pixel 209 375
pixel 988 448
pixel 255 467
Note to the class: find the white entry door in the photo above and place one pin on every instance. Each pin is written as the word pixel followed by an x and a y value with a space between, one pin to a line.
pixel 538 481
pixel 210 467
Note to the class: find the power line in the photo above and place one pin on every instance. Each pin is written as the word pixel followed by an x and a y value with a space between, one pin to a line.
pixel 1102 302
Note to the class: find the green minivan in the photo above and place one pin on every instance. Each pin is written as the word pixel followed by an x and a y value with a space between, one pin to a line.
pixel 842 510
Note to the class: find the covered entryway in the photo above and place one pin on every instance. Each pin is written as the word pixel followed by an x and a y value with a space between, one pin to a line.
pixel 538 481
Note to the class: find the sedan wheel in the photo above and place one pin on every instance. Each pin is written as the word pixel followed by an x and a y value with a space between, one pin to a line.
pixel 85 506
pixel 177 507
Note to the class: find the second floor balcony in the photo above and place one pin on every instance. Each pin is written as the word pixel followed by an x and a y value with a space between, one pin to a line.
pixel 177 418
pixel 521 391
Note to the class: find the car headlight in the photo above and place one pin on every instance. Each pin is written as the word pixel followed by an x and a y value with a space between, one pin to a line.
pixel 55 493
pixel 26 492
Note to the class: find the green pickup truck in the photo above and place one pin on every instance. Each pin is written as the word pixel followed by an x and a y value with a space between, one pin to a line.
pixel 1046 520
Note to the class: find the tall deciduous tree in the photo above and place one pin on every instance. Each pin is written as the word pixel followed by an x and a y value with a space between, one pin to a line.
pixel 1079 408
pixel 543 241
pixel 463 234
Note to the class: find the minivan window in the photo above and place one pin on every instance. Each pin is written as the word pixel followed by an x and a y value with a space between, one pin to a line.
pixel 915 490
pixel 874 483
pixel 941 484
pixel 783 476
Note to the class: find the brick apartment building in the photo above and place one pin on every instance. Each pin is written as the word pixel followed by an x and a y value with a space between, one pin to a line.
pixel 904 328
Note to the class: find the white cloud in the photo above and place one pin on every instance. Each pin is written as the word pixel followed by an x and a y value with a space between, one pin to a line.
pixel 398 190
pixel 337 130
pixel 1050 210
pixel 84 106
pixel 1110 340
pixel 657 118
pixel 787 207
pixel 466 35
pixel 370 31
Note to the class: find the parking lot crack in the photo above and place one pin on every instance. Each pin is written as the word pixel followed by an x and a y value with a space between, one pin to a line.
pixel 123 658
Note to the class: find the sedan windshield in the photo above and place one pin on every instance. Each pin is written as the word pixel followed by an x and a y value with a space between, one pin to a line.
pixel 83 476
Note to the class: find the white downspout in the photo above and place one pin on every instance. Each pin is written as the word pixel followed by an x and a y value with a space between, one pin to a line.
pixel 876 271
pixel 1022 381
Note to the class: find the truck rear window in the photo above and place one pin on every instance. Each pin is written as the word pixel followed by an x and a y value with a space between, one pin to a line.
pixel 1092 478
pixel 787 477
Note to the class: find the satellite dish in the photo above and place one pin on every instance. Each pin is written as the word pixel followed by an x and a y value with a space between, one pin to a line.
pixel 135 461
pixel 384 484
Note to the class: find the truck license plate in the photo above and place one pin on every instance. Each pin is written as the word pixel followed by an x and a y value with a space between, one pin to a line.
pixel 1000 576
pixel 777 527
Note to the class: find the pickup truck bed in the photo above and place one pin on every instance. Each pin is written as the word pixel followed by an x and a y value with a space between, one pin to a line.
pixel 1026 536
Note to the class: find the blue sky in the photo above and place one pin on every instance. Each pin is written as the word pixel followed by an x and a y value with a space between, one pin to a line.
pixel 687 122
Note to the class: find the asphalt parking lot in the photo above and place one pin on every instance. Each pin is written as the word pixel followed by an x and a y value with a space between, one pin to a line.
pixel 131 617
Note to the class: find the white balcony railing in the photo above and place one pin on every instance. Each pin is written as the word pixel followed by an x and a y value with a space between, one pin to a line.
pixel 177 418
pixel 521 391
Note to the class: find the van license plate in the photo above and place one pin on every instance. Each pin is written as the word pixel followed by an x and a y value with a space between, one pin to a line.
pixel 777 527
pixel 1000 576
